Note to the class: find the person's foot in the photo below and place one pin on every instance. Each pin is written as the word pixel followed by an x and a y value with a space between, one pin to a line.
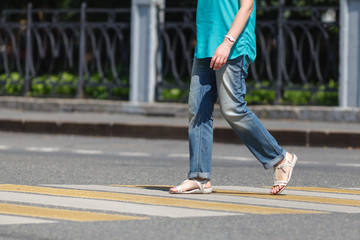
pixel 282 175
pixel 189 186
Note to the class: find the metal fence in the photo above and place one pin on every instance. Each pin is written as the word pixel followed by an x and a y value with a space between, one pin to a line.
pixel 297 53
pixel 86 53
pixel 65 52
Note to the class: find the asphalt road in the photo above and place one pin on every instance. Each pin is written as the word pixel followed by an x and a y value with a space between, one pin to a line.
pixel 70 187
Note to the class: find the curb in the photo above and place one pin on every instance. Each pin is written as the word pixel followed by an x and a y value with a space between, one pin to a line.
pixel 330 114
pixel 308 138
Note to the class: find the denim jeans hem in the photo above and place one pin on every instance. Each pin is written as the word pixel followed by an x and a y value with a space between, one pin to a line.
pixel 273 162
pixel 205 175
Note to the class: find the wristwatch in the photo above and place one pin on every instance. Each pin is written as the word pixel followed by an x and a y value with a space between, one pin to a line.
pixel 231 38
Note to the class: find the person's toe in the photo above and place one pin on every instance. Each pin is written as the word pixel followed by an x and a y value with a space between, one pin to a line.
pixel 275 189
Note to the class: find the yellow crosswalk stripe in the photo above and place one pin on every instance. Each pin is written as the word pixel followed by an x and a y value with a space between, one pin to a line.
pixel 62 214
pixel 328 190
pixel 324 200
pixel 134 198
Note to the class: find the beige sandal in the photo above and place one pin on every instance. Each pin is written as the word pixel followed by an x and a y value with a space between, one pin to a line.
pixel 287 163
pixel 201 188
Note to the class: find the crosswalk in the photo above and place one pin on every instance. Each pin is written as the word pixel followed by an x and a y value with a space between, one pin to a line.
pixel 43 204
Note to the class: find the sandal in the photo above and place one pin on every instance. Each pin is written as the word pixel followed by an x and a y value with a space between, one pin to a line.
pixel 201 188
pixel 287 163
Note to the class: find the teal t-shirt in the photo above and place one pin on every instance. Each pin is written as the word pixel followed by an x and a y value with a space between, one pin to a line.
pixel 214 19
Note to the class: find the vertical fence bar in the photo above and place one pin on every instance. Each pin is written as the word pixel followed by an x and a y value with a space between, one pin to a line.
pixel 159 54
pixel 28 58
pixel 144 44
pixel 349 91
pixel 280 53
pixel 82 46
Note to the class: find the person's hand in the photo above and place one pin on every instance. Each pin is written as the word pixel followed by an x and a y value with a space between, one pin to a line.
pixel 221 55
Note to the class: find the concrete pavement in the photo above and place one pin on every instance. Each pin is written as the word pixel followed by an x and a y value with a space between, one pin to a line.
pixel 299 126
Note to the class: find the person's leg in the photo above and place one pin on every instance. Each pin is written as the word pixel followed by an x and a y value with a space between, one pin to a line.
pixel 202 97
pixel 232 90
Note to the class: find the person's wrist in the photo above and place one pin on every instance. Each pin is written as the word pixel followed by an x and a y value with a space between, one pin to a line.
pixel 228 42
pixel 230 38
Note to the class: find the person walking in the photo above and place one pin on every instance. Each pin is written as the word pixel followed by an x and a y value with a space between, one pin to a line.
pixel 226 45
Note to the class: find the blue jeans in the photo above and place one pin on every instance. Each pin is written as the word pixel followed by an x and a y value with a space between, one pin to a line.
pixel 227 84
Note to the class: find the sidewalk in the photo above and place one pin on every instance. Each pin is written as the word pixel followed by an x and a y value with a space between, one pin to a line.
pixel 169 121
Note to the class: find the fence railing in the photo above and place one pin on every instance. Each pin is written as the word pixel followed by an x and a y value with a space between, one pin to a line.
pixel 177 45
pixel 86 52
pixel 65 52
pixel 297 50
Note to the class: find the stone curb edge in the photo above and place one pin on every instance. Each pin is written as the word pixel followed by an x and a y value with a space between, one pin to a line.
pixel 306 113
pixel 308 138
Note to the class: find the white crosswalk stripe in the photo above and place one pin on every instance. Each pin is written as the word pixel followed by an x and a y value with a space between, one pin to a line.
pixel 138 202
pixel 233 199
pixel 105 205
pixel 292 192
pixel 10 220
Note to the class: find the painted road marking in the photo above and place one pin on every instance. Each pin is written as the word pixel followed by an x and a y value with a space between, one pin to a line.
pixel 242 159
pixel 178 155
pixel 38 149
pixel 294 192
pixel 308 163
pixel 331 190
pixel 264 199
pixel 346 202
pixel 234 158
pixel 106 205
pixel 348 165
pixel 223 196
pixel 63 214
pixel 94 202
pixel 272 201
pixel 90 152
pixel 134 154
pixel 10 220
pixel 154 200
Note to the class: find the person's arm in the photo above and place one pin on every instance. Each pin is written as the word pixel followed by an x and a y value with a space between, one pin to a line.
pixel 222 52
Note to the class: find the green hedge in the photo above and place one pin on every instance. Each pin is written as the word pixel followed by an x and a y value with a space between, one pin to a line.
pixel 325 95
pixel 65 85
